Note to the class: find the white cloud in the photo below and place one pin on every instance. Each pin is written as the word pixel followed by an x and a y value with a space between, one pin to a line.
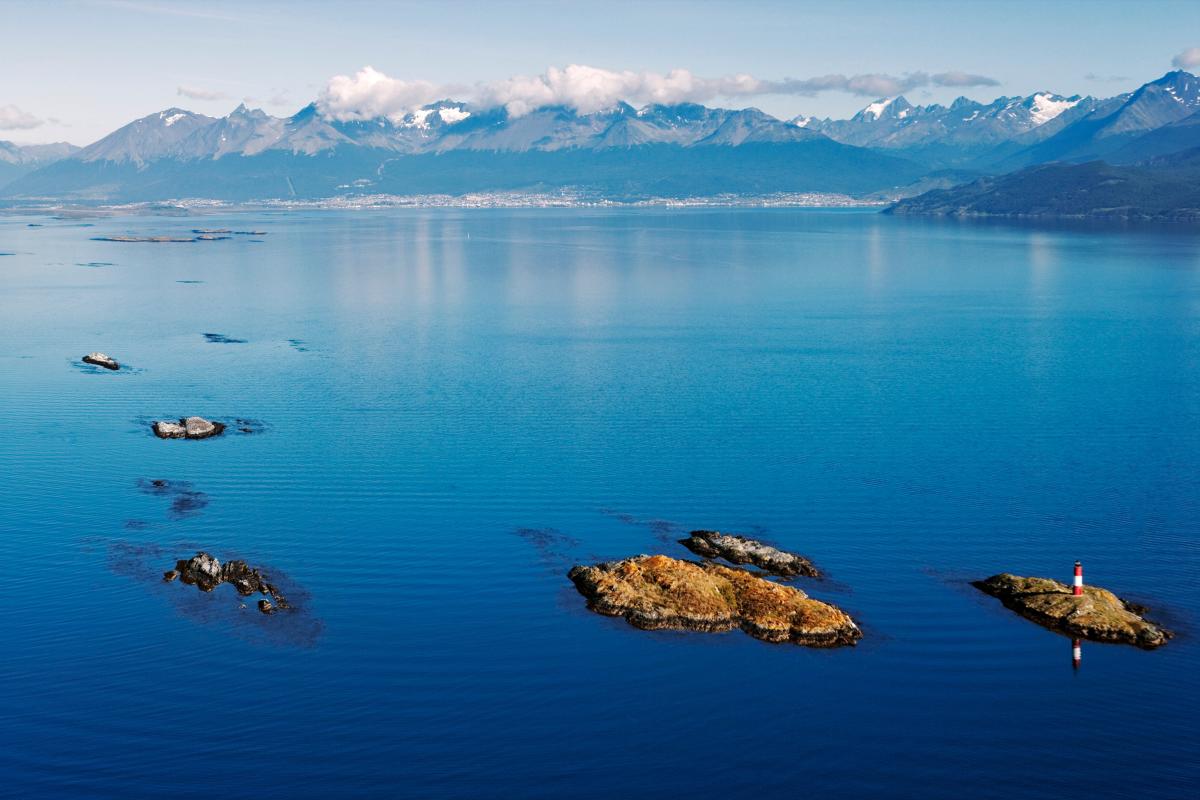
pixel 1187 59
pixel 13 118
pixel 957 78
pixel 370 94
pixel 590 89
pixel 196 93
pixel 875 84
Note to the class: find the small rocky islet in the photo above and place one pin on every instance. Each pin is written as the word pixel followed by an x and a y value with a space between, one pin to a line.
pixel 743 550
pixel 206 573
pixel 101 360
pixel 1096 615
pixel 198 235
pixel 656 592
pixel 159 239
pixel 659 592
pixel 187 428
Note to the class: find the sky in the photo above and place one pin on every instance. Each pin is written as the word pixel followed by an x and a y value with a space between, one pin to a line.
pixel 76 70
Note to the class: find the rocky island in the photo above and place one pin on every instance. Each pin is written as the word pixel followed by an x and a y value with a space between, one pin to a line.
pixel 742 550
pixel 1097 614
pixel 187 428
pixel 154 239
pixel 101 360
pixel 658 592
pixel 207 573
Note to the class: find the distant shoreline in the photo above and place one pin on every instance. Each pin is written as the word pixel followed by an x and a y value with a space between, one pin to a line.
pixel 473 200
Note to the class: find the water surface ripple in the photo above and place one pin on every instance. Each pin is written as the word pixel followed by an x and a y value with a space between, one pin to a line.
pixel 457 405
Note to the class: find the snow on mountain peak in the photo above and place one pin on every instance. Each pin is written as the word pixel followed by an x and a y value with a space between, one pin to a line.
pixel 451 114
pixel 418 118
pixel 876 109
pixel 1046 107
pixel 169 118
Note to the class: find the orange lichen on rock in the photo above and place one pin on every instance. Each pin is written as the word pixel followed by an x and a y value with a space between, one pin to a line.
pixel 655 592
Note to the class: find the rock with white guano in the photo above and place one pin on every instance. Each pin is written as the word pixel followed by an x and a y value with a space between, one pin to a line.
pixel 101 360
pixel 165 429
pixel 187 428
pixel 743 550
pixel 199 428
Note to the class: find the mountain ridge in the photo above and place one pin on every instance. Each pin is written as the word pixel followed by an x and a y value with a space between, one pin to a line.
pixel 1165 189
pixel 890 148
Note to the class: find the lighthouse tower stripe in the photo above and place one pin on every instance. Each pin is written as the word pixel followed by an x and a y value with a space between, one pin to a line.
pixel 1078 578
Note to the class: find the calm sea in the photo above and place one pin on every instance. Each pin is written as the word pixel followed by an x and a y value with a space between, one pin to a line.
pixel 449 408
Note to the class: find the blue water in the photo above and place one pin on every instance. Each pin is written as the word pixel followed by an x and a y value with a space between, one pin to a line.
pixel 452 407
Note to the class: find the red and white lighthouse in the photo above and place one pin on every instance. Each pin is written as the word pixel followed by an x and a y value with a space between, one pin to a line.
pixel 1078 579
pixel 1076 652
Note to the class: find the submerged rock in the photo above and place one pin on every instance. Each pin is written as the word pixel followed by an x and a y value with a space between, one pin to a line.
pixel 184 499
pixel 170 575
pixel 220 338
pixel 187 428
pixel 206 573
pixel 741 550
pixel 1097 614
pixel 655 592
pixel 101 360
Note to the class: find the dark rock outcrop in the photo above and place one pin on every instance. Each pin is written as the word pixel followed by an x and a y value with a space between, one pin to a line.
pixel 1097 614
pixel 188 428
pixel 206 573
pixel 656 592
pixel 741 550
pixel 101 360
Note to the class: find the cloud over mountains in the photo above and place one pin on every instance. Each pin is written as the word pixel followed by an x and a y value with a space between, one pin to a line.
pixel 13 118
pixel 196 93
pixel 369 93
pixel 1187 59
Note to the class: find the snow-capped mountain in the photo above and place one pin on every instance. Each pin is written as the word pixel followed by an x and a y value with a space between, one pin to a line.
pixel 1171 98
pixel 439 127
pixel 147 139
pixel 1045 106
pixel 1115 126
pixel 894 123
pixel 451 146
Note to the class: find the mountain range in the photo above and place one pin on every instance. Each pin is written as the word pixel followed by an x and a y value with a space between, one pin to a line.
pixel 17 160
pixel 891 148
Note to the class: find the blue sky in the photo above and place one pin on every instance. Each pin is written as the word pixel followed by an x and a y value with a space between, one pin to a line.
pixel 77 70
